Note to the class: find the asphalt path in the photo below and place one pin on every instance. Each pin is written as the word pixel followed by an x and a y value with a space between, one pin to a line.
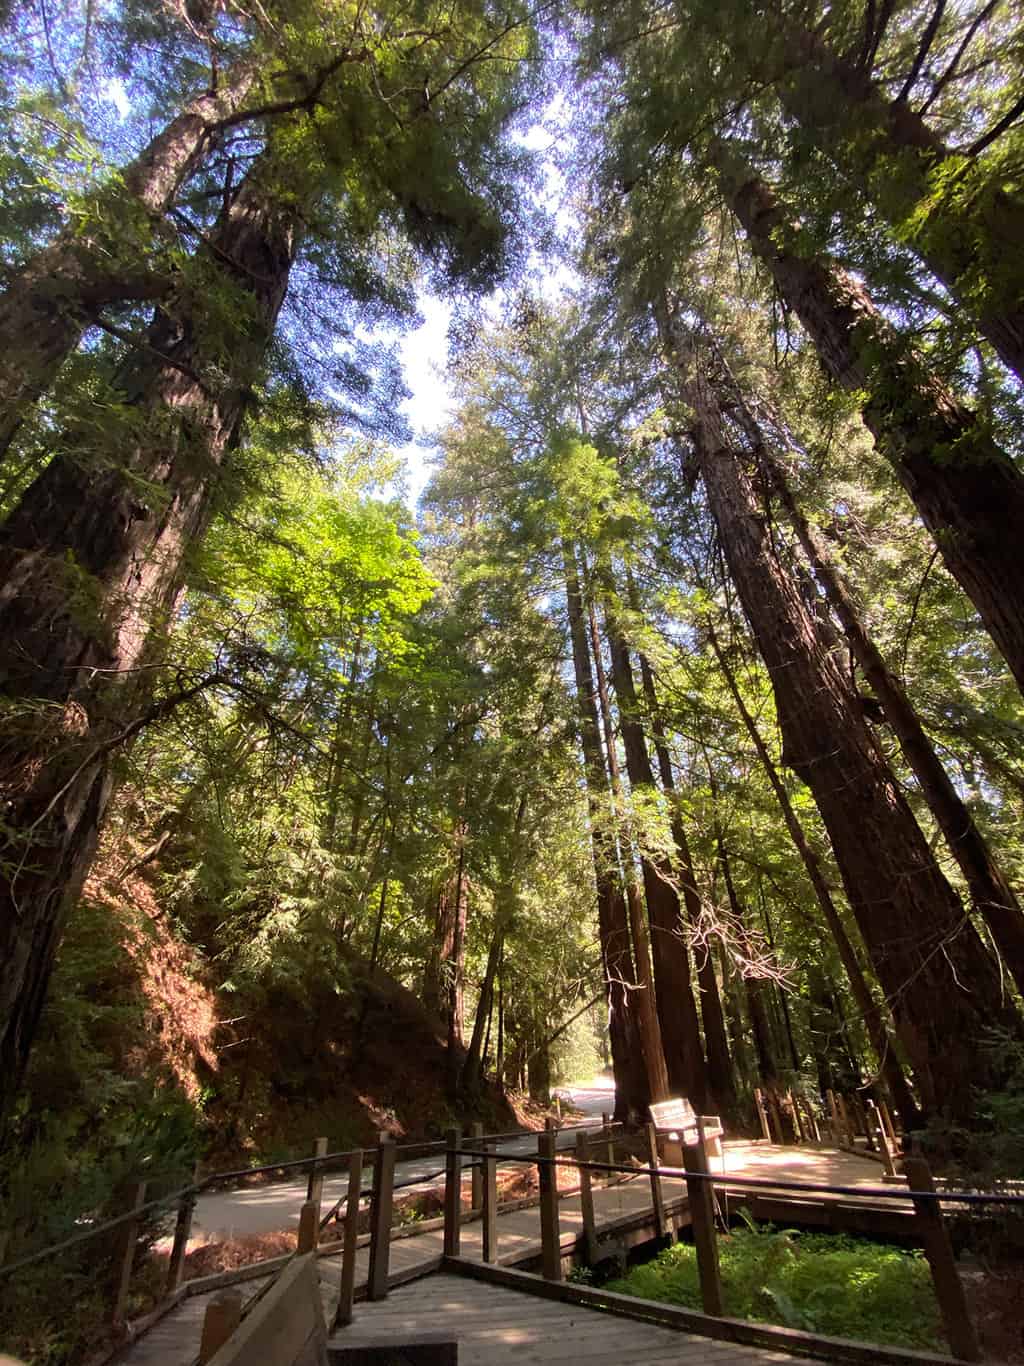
pixel 275 1205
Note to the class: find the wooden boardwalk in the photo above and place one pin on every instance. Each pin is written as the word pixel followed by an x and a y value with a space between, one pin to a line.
pixel 498 1327
pixel 174 1340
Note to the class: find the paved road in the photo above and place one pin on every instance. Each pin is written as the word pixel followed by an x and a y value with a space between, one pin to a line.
pixel 275 1206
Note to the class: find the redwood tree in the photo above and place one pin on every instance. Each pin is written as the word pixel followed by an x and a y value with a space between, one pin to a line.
pixel 942 985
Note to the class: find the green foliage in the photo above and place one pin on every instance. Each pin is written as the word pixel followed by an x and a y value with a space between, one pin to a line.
pixel 823 1283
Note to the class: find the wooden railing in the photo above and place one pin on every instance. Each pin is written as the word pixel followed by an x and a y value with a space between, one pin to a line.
pixel 123 1231
pixel 926 1218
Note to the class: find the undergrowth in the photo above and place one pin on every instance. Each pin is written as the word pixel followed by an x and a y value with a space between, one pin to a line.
pixel 822 1283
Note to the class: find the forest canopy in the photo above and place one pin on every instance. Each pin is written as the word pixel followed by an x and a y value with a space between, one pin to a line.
pixel 677 726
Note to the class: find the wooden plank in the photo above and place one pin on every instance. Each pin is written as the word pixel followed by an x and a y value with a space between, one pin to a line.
pixel 547 1179
pixel 586 1202
pixel 705 1236
pixel 762 1114
pixel 476 1178
pixel 489 1231
pixel 452 1193
pixel 309 1227
pixel 222 1317
pixel 949 1290
pixel 182 1233
pixel 126 1238
pixel 343 1312
pixel 657 1200
pixel 284 1327
pixel 765 1336
pixel 380 1218
pixel 315 1184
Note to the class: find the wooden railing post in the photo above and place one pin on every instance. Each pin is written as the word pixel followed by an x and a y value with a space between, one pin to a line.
pixel 453 1193
pixel 222 1317
pixel 883 1110
pixel 811 1117
pixel 775 1117
pixel 547 1178
pixel 315 1184
pixel 702 1217
pixel 476 1187
pixel 309 1227
pixel 949 1290
pixel 845 1124
pixel 380 1219
pixel 124 1258
pixel 798 1124
pixel 343 1314
pixel 586 1199
pixel 490 1205
pixel 864 1119
pixel 833 1112
pixel 762 1114
pixel 881 1137
pixel 182 1233
pixel 609 1143
pixel 657 1200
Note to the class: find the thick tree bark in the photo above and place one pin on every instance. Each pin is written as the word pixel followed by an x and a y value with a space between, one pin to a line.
pixel 967 491
pixel 51 299
pixel 677 1010
pixel 874 1021
pixel 990 892
pixel 91 562
pixel 943 985
pixel 720 1069
pixel 637 1060
pixel 943 204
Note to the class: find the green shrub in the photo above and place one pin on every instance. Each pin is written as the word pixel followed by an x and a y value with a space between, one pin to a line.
pixel 823 1283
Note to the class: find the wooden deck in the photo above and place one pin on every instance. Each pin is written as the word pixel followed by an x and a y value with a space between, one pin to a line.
pixel 174 1340
pixel 498 1327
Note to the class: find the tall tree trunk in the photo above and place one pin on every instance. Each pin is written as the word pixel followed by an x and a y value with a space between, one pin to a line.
pixel 457 974
pixel 472 1067
pixel 990 892
pixel 51 299
pixel 647 1000
pixel 637 1060
pixel 967 490
pixel 948 207
pixel 943 985
pixel 720 1070
pixel 874 1020
pixel 91 562
pixel 677 1010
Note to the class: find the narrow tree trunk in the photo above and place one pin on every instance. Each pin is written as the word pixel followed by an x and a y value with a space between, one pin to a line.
pixel 472 1067
pixel 647 1003
pixel 720 1070
pixel 874 1020
pixel 51 299
pixel 637 1061
pixel 677 1010
pixel 91 562
pixel 942 984
pixel 948 207
pixel 457 972
pixel 753 986
pixel 990 892
pixel 968 492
